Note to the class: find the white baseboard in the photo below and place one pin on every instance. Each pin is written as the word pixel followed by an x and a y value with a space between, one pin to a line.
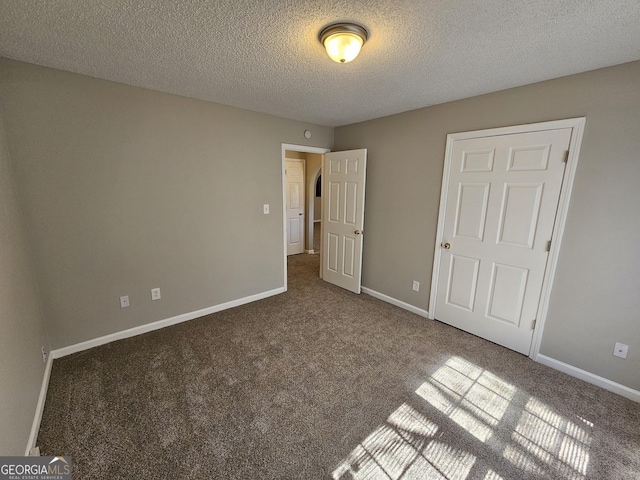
pixel 132 332
pixel 317 221
pixel 589 377
pixel 310 252
pixel 37 419
pixel 396 302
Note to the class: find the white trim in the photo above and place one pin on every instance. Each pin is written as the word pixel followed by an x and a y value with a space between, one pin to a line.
pixel 524 128
pixel 558 232
pixel 310 252
pixel 396 302
pixel 148 327
pixel 37 419
pixel 293 148
pixel 321 222
pixel 577 126
pixel 589 377
pixel 317 221
pixel 444 191
pixel 304 149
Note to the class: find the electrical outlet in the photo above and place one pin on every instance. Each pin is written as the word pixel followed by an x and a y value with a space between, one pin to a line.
pixel 44 354
pixel 155 294
pixel 124 301
pixel 265 208
pixel 416 286
pixel 620 350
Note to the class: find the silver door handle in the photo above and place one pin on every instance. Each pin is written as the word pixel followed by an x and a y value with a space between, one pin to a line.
pixel 446 245
pixel 358 232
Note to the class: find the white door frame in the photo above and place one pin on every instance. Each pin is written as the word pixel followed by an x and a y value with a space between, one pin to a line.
pixel 577 126
pixel 292 148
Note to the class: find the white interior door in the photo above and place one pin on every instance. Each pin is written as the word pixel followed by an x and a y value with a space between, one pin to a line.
pixel 502 195
pixel 343 184
pixel 294 173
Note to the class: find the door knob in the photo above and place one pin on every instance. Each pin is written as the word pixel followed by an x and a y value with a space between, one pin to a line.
pixel 446 245
pixel 358 232
pixel 300 214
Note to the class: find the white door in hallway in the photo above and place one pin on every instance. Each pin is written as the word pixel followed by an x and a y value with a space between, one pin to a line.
pixel 343 184
pixel 294 172
pixel 501 198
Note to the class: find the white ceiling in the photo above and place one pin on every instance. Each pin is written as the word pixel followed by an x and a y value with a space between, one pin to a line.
pixel 264 55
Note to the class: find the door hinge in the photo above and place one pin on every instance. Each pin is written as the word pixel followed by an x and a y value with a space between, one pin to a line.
pixel 566 156
pixel 533 325
pixel 549 246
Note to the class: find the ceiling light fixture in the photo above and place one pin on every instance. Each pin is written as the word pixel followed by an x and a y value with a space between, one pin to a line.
pixel 343 41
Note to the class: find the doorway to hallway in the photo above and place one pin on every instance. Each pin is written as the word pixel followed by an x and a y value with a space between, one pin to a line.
pixel 309 215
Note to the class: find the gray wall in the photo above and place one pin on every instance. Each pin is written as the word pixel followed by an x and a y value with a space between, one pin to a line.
pixel 595 299
pixel 21 329
pixel 125 189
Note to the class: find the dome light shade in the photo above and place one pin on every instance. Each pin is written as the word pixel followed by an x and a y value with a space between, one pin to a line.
pixel 343 41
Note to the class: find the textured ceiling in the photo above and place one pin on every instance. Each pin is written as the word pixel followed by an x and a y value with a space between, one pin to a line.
pixel 264 55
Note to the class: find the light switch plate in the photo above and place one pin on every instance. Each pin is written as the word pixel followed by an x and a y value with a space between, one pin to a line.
pixel 265 208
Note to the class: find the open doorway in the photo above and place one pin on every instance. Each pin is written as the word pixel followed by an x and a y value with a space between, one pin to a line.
pixel 305 205
pixel 295 203
pixel 303 201
pixel 316 215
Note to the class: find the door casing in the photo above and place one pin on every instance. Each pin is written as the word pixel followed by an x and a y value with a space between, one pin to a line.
pixel 577 125
pixel 293 148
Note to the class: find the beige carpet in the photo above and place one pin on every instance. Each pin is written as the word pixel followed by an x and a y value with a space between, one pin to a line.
pixel 318 383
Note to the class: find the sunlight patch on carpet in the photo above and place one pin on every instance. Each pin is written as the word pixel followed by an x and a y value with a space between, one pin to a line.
pixel 411 444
